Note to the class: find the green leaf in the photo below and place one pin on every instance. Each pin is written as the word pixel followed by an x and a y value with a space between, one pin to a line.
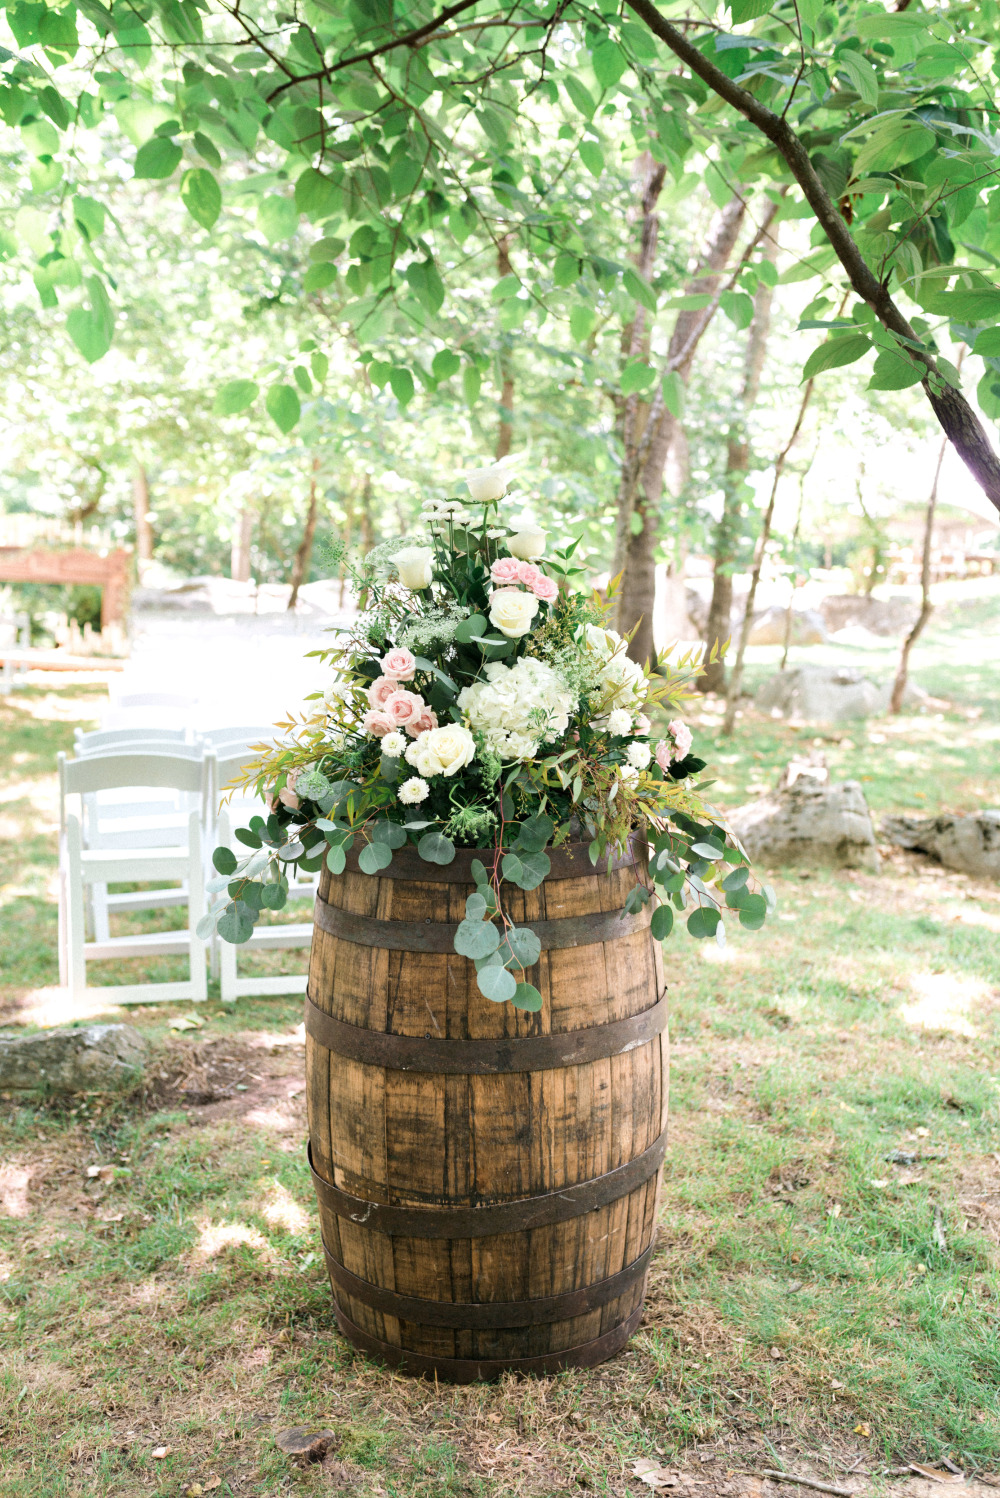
pixel 201 196
pixel 703 921
pixel 895 372
pixel 434 847
pixel 579 95
pixel 471 629
pixel 336 859
pixel 87 333
pixel 673 393
pixel 273 896
pixel 894 144
pixel 320 366
pixel 373 857
pixel 235 396
pixel 566 269
pixel 689 301
pixel 236 923
pixel 526 870
pixel 738 307
pixel 445 364
pixel 521 946
pixel 401 381
pixel 636 899
pixel 496 984
pixel 590 154
pixel 863 76
pixel 318 276
pixel 206 149
pixel 535 833
pixel 476 938
pixel 609 63
pixel 639 288
pixel 224 861
pixel 711 851
pixel 475 907
pixel 316 195
pixel 283 406
pixel 835 352
pixel 748 10
pixel 390 833
pixel 158 158
pixel 754 912
pixel 248 838
pixel 526 996
pixel 89 216
pixel 662 923
pixel 736 879
pixel 637 376
pixel 277 218
pixel 478 870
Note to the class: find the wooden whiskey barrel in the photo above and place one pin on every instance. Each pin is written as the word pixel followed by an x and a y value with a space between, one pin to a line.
pixel 487 1178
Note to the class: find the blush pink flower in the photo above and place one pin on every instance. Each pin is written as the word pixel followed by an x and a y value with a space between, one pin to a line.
pixel 546 588
pixel 642 724
pixel 404 707
pixel 682 736
pixel 399 664
pixel 289 798
pixel 427 719
pixel 529 575
pixel 380 689
pixel 377 722
pixel 505 570
pixel 664 755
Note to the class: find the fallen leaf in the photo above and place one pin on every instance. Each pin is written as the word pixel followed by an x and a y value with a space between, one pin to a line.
pixel 187 1022
pixel 194 1491
pixel 653 1475
pixel 909 1178
pixel 836 1384
pixel 922 1133
pixel 936 1475
pixel 879 1185
pixel 213 1483
pixel 776 1352
pixel 159 1452
pixel 835 1210
pixel 862 1429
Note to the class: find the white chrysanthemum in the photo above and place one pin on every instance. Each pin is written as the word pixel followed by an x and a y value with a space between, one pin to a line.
pixel 639 754
pixel 619 723
pixel 413 790
pixel 393 745
pixel 517 707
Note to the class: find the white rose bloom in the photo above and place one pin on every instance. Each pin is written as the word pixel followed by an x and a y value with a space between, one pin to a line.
pixel 413 790
pixel 488 483
pixel 620 682
pixel 393 745
pixel 415 565
pixel 442 751
pixel 528 540
pixel 619 723
pixel 639 755
pixel 512 611
pixel 517 708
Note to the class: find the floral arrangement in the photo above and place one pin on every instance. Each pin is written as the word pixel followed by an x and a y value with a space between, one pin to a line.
pixel 481 701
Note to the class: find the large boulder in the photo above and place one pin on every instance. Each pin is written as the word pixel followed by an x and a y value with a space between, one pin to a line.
pixel 810 824
pixel 880 616
pixel 769 627
pixel 828 694
pixel 969 844
pixel 93 1058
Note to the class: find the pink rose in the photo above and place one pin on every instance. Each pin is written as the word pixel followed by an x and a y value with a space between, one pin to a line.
pixel 377 722
pixel 642 724
pixel 505 570
pixel 380 689
pixel 404 707
pixel 682 736
pixel 289 798
pixel 426 720
pixel 546 588
pixel 528 574
pixel 400 664
pixel 664 754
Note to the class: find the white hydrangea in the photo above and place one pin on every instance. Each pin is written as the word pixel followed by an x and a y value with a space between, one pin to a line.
pixel 393 745
pixel 618 681
pixel 413 790
pixel 639 755
pixel 517 707
pixel 619 723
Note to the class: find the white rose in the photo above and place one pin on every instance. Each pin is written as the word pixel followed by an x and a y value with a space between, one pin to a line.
pixel 415 565
pixel 487 483
pixel 442 751
pixel 393 745
pixel 512 611
pixel 639 755
pixel 528 540
pixel 619 723
pixel 413 790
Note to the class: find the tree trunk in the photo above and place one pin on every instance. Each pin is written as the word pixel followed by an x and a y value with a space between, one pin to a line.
pixel 303 556
pixel 505 431
pixel 239 557
pixel 367 521
pixel 736 680
pixel 643 477
pixel 143 528
pixel 726 542
pixel 926 606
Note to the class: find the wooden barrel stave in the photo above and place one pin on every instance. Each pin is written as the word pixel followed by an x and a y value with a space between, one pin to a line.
pixel 407 1138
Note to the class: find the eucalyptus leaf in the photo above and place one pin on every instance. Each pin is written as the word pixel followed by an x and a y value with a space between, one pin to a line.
pixel 236 925
pixel 390 833
pixel 336 859
pixel 373 857
pixel 475 907
pixel 535 833
pixel 496 984
pixel 476 938
pixel 224 859
pixel 521 946
pixel 434 847
pixel 526 996
pixel 662 923
pixel 703 921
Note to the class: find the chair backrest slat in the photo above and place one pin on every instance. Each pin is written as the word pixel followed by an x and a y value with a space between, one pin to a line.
pixel 115 737
pixel 103 772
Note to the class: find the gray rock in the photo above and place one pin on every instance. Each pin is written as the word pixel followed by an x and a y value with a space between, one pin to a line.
pixel 92 1058
pixel 971 845
pixel 881 616
pixel 828 694
pixel 769 627
pixel 810 824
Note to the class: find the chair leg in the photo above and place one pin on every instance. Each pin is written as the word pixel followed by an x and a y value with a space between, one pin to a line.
pixel 62 934
pixel 196 909
pixel 76 966
pixel 99 911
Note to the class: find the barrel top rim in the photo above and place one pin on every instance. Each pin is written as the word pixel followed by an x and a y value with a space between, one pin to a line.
pixel 570 861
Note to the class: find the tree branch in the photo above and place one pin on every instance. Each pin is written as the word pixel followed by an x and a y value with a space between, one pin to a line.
pixel 954 413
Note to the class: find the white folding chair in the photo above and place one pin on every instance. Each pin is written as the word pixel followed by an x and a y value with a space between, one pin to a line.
pixel 83 866
pixel 103 740
pixel 242 733
pixel 265 938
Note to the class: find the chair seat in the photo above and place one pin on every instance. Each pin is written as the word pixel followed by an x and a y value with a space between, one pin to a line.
pixel 146 944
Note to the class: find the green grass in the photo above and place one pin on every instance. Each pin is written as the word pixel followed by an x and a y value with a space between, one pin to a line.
pixel 813 1297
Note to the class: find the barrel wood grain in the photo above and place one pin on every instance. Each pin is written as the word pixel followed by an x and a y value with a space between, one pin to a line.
pixel 424 1140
